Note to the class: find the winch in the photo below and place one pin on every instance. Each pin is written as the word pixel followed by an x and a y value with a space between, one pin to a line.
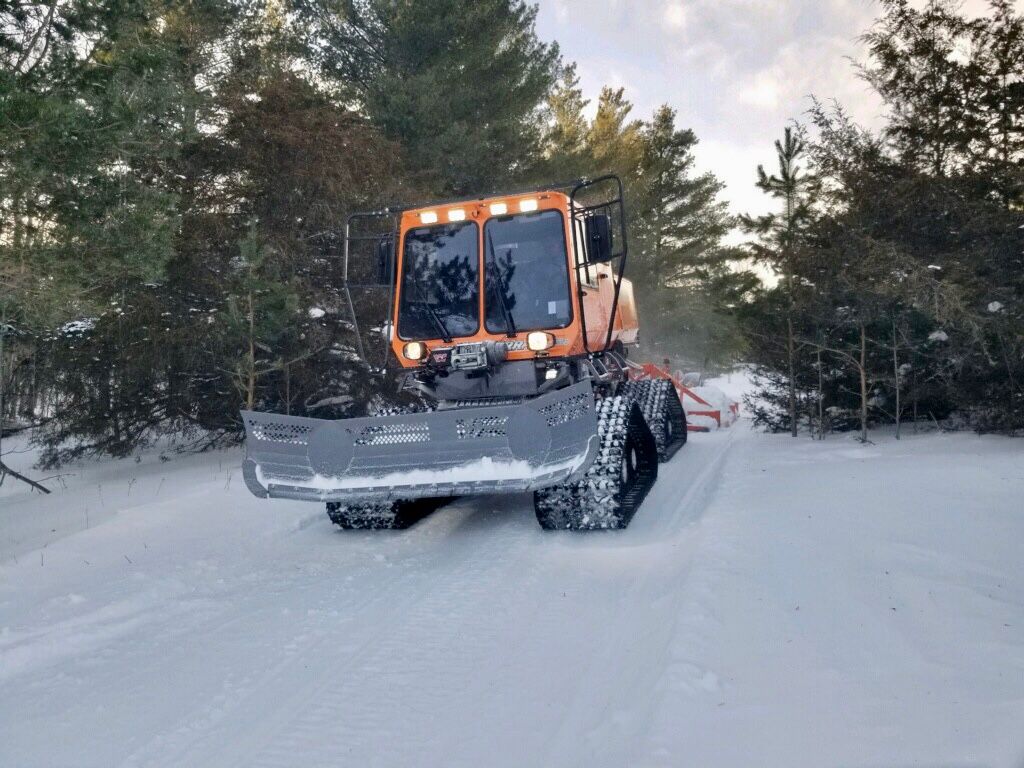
pixel 478 356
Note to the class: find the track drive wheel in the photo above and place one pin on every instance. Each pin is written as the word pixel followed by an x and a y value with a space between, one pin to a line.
pixel 611 491
pixel 382 515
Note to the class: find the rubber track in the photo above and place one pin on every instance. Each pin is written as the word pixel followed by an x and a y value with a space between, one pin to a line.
pixel 663 411
pixel 382 515
pixel 602 499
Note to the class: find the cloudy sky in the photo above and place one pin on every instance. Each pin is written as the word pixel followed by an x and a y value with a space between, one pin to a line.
pixel 735 70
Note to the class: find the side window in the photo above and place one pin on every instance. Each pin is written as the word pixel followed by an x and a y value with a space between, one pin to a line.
pixel 588 275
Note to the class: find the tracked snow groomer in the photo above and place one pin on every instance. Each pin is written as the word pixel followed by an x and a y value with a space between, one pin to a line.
pixel 511 317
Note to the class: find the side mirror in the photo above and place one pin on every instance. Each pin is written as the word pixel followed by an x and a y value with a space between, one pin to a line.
pixel 599 238
pixel 385 259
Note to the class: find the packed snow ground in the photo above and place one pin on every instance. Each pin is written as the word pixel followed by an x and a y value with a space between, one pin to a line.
pixel 776 602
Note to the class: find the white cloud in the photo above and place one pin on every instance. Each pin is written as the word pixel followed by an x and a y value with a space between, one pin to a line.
pixel 675 15
pixel 737 71
pixel 763 91
pixel 736 165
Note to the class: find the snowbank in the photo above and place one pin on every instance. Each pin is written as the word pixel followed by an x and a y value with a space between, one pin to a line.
pixel 716 399
pixel 483 470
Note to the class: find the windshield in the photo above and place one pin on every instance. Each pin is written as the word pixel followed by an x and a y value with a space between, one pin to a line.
pixel 526 273
pixel 440 282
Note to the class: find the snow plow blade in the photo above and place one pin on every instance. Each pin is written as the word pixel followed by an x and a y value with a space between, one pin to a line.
pixel 507 448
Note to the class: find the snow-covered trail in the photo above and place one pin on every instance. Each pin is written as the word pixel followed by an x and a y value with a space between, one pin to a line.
pixel 216 629
pixel 755 612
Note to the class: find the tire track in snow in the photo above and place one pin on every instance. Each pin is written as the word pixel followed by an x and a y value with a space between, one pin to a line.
pixel 313 669
pixel 442 635
pixel 610 715
pixel 580 716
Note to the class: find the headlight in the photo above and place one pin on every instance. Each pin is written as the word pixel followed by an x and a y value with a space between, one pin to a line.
pixel 414 350
pixel 538 341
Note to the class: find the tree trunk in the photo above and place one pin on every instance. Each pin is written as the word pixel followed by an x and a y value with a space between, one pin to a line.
pixel 863 385
pixel 287 389
pixel 788 260
pixel 33 388
pixel 821 401
pixel 3 333
pixel 250 389
pixel 896 374
pixel 914 385
pixel 18 225
pixel 4 469
pixel 792 379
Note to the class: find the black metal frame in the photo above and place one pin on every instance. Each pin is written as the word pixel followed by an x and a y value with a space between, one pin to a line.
pixel 350 238
pixel 581 263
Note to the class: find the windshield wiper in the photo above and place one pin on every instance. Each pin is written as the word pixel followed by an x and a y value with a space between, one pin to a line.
pixel 432 312
pixel 510 323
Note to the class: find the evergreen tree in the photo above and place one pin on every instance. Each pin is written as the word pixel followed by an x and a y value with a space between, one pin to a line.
pixel 920 67
pixel 684 274
pixel 909 277
pixel 686 280
pixel 459 86
pixel 88 130
pixel 200 248
pixel 955 217
pixel 615 140
pixel 565 148
pixel 780 234
pixel 82 134
pixel 998 112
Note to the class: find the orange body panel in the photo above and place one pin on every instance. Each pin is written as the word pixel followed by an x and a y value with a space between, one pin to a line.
pixel 597 285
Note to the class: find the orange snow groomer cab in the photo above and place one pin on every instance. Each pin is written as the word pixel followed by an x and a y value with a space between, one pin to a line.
pixel 530 272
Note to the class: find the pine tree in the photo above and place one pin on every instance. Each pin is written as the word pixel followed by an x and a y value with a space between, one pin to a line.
pixel 996 152
pixel 780 234
pixel 951 204
pixel 459 86
pixel 910 275
pixel 182 127
pixel 686 280
pixel 565 149
pixel 685 277
pixel 918 65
